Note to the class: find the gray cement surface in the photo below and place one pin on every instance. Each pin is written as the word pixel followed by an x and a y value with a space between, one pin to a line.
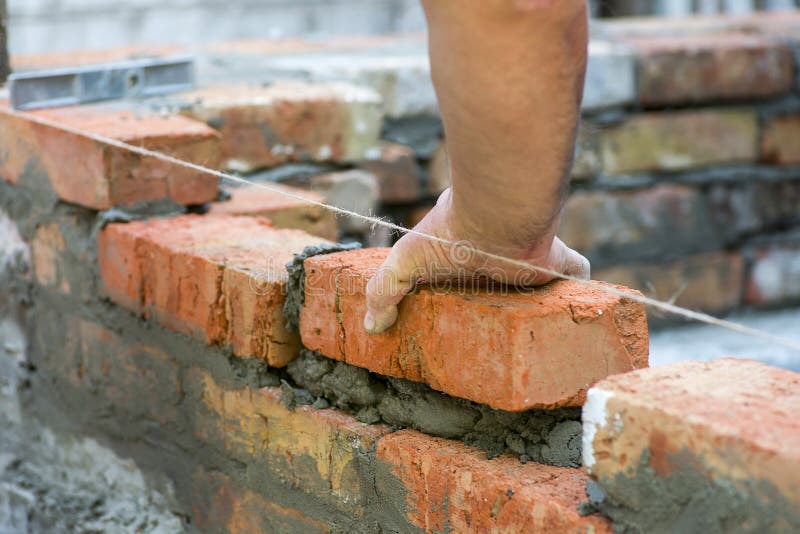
pixel 700 342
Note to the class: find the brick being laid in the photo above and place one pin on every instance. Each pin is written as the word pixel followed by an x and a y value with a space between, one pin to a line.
pixel 510 350
pixel 217 278
pixel 697 445
pixel 91 174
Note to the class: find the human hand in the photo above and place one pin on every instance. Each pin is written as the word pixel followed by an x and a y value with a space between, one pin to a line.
pixel 414 258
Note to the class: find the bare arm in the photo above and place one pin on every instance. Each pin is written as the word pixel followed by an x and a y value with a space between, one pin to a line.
pixel 509 77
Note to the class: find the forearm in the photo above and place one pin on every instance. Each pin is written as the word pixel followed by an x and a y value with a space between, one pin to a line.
pixel 509 83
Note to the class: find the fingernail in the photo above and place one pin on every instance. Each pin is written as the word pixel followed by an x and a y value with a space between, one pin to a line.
pixel 369 322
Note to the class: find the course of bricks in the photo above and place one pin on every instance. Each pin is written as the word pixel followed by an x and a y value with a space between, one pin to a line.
pixel 154 297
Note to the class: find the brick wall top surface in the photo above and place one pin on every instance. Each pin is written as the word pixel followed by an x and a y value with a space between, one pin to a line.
pixel 735 418
pixel 509 350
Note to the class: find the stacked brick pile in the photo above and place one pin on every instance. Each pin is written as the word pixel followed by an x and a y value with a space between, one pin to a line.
pixel 154 306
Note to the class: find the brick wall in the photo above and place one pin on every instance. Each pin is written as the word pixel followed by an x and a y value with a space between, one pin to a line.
pixel 161 317
pixel 3 42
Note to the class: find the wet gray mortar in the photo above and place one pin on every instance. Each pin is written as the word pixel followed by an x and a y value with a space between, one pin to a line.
pixel 546 436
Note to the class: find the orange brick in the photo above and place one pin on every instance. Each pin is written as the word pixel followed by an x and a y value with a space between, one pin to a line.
pixel 221 505
pixel 699 68
pixel 282 211
pixel 267 126
pixel 732 421
pixel 452 486
pixel 512 351
pixel 85 172
pixel 220 279
pixel 780 140
pixel 316 451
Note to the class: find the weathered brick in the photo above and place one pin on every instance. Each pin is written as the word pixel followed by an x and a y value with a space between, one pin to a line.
pixel 671 141
pixel 452 486
pixel 266 126
pixel 316 451
pixel 774 274
pixel 397 171
pixel 221 505
pixel 612 225
pixel 282 211
pixel 86 172
pixel 218 278
pixel 780 140
pixel 708 281
pixel 728 429
pixel 709 67
pixel 540 348
pixel 355 190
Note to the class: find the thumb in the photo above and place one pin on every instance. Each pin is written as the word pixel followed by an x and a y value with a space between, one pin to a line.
pixel 571 262
pixel 390 283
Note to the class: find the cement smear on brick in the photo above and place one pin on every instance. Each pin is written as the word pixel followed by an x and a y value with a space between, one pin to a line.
pixel 689 501
pixel 546 436
pixel 297 279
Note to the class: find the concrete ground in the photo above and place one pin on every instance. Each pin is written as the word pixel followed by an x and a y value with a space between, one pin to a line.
pixel 701 342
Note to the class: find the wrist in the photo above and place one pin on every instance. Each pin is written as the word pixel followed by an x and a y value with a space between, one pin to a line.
pixel 507 231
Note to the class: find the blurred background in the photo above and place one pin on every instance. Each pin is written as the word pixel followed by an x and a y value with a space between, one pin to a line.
pixel 48 25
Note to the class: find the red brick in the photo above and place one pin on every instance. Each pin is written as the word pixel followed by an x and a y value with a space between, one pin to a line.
pixel 780 140
pixel 512 351
pixel 266 126
pixel 397 171
pixel 220 279
pixel 221 505
pixel 708 67
pixel 708 281
pixel 316 451
pixel 774 275
pixel 452 486
pixel 282 211
pixel 86 172
pixel 734 421
pixel 672 141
